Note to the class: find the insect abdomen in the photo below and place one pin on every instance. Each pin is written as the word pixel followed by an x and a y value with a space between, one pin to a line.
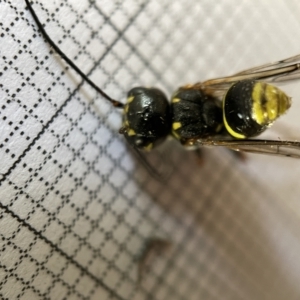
pixel 250 107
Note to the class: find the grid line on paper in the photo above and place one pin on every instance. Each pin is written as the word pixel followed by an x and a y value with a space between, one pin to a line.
pixel 77 209
pixel 58 111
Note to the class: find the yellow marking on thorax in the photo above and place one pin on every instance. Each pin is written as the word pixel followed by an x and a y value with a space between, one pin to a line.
pixel 175 100
pixel 130 99
pixel 131 132
pixel 148 147
pixel 176 125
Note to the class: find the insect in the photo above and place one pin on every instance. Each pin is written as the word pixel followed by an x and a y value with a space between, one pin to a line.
pixel 227 111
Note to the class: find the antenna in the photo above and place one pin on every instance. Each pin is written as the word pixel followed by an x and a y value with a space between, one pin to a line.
pixel 114 102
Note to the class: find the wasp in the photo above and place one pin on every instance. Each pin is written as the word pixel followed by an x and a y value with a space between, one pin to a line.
pixel 227 111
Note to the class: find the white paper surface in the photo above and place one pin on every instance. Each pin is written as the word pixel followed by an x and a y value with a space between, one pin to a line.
pixel 77 208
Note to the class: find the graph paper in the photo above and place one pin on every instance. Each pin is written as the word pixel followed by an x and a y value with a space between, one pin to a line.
pixel 78 209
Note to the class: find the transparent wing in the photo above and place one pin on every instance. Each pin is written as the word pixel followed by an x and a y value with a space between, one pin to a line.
pixel 283 70
pixel 268 66
pixel 270 147
pixel 163 173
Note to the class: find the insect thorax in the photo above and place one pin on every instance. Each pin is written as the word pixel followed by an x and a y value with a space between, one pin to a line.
pixel 195 114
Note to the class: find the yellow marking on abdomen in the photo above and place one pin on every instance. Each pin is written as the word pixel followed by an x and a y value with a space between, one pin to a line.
pixel 229 129
pixel 269 102
pixel 126 108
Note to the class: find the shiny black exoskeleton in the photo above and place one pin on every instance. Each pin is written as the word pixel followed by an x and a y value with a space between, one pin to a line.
pixel 248 109
pixel 147 118
pixel 195 114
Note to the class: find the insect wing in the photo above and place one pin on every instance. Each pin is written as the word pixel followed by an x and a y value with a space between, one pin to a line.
pixel 283 70
pixel 270 147
pixel 272 65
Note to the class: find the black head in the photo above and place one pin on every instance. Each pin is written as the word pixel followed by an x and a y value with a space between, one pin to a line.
pixel 147 118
